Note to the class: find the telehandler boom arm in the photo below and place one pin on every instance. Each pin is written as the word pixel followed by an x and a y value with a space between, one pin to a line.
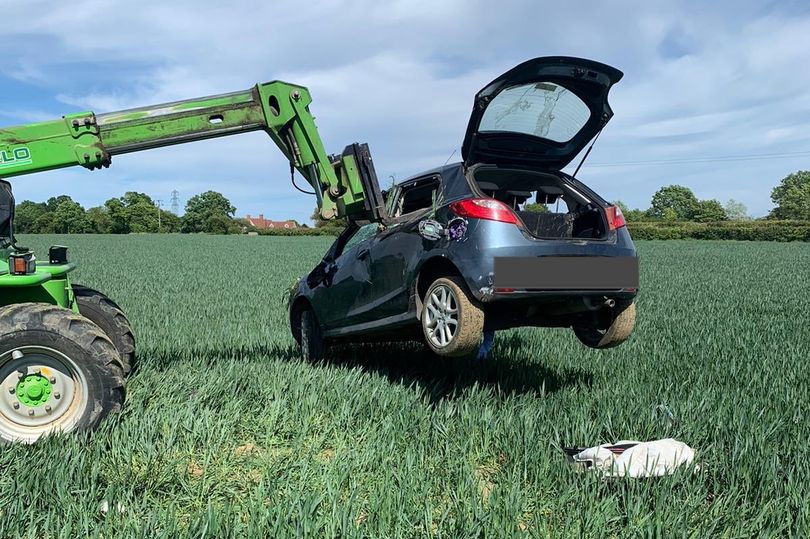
pixel 345 185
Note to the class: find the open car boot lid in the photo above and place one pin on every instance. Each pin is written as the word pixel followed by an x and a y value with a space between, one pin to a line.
pixel 541 113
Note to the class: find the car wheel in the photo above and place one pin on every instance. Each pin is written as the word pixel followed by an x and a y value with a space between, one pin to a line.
pixel 452 323
pixel 620 327
pixel 107 315
pixel 58 370
pixel 311 337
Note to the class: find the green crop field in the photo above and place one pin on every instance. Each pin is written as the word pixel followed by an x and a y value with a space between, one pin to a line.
pixel 227 433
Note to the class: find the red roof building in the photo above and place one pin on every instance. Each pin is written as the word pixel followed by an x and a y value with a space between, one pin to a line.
pixel 261 223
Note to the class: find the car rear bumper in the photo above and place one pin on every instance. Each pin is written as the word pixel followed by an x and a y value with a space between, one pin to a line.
pixel 583 267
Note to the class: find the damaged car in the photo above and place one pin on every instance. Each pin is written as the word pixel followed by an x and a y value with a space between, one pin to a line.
pixel 503 239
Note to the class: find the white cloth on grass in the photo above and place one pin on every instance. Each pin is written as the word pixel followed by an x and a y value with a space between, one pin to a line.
pixel 628 458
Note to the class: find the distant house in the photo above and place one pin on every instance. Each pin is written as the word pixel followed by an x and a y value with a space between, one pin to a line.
pixel 261 223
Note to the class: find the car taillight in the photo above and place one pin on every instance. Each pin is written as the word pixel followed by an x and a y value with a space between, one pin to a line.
pixel 484 208
pixel 615 218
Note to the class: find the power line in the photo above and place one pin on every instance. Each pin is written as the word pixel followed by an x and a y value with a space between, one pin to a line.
pixel 175 202
pixel 707 159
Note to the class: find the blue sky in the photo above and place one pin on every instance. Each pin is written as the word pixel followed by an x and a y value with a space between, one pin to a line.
pixel 702 80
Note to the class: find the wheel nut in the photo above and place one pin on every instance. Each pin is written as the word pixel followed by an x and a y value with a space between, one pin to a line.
pixel 37 370
pixel 31 412
pixel 16 405
pixel 47 408
pixel 16 354
pixel 52 379
pixel 11 389
pixel 57 395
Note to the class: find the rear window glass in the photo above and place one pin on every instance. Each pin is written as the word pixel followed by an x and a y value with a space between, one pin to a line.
pixel 542 109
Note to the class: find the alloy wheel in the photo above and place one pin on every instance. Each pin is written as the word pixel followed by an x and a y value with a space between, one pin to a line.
pixel 442 316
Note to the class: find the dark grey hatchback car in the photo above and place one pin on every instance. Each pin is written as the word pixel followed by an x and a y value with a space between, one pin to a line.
pixel 501 240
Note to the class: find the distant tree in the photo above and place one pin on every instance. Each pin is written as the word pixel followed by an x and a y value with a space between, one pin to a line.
pixel 669 214
pixel 53 202
pixel 98 220
pixel 220 224
pixel 201 208
pixel 632 214
pixel 131 198
pixel 119 216
pixel 169 222
pixel 26 214
pixel 636 215
pixel 677 198
pixel 44 224
pixel 708 211
pixel 736 211
pixel 320 222
pixel 792 197
pixel 536 208
pixel 69 218
pixel 142 217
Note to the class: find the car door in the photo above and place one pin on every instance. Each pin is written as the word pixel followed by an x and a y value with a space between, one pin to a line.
pixel 396 250
pixel 342 297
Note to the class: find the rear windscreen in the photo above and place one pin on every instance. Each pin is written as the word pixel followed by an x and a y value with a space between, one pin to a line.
pixel 542 109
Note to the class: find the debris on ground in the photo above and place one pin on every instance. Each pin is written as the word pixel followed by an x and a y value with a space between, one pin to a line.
pixel 104 507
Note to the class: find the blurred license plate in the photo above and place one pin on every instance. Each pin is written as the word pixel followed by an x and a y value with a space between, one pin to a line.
pixel 567 272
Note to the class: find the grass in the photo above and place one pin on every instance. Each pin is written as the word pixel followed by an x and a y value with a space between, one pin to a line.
pixel 226 433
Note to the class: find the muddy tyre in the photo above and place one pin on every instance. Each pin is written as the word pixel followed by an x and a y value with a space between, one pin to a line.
pixel 613 332
pixel 107 315
pixel 59 373
pixel 452 323
pixel 312 346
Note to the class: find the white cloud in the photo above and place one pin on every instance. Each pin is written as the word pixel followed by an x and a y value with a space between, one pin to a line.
pixel 720 79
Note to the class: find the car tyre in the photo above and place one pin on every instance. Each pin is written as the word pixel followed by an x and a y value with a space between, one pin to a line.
pixel 107 315
pixel 622 323
pixel 452 322
pixel 312 346
pixel 65 373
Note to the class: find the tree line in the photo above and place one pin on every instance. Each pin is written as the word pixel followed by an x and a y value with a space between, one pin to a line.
pixel 678 203
pixel 211 212
pixel 134 212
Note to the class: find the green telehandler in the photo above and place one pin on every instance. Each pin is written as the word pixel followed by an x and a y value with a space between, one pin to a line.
pixel 65 349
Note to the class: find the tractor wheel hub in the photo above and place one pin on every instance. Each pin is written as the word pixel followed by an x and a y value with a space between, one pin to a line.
pixel 34 390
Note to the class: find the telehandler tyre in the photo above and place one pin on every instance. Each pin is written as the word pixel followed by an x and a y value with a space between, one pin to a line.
pixel 612 332
pixel 452 322
pixel 59 373
pixel 107 315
